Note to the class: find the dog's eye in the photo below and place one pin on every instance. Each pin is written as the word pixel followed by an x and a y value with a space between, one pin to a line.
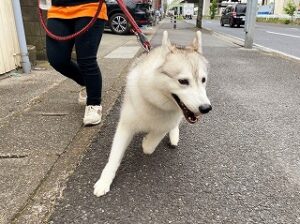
pixel 183 81
pixel 203 80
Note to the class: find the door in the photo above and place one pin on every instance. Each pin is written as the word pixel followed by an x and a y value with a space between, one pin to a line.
pixel 228 14
pixel 9 46
pixel 225 19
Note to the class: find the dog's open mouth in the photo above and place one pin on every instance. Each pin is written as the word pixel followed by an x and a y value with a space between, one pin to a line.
pixel 189 115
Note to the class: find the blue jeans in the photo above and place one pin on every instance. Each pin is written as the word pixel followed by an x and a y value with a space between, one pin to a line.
pixel 85 71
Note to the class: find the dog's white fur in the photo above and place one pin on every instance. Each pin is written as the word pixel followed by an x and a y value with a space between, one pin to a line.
pixel 148 103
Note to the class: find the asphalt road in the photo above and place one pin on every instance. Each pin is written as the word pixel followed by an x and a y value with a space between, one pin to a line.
pixel 282 38
pixel 240 164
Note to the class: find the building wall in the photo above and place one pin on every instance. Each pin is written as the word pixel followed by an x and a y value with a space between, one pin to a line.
pixel 206 4
pixel 280 4
pixel 9 45
pixel 156 4
pixel 35 35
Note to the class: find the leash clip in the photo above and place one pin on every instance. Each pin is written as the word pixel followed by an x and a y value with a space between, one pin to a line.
pixel 143 41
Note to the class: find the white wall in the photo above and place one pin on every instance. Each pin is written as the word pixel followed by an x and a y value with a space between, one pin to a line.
pixel 206 4
pixel 280 4
pixel 9 46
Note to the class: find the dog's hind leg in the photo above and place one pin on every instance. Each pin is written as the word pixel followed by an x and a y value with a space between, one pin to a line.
pixel 121 140
pixel 174 136
pixel 151 140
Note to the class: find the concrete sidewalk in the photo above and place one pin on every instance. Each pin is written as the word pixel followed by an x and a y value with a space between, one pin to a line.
pixel 41 133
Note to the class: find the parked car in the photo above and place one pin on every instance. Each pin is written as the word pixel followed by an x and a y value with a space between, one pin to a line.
pixel 117 21
pixel 234 15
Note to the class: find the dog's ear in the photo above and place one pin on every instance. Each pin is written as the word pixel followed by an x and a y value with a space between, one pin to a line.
pixel 166 44
pixel 165 40
pixel 197 43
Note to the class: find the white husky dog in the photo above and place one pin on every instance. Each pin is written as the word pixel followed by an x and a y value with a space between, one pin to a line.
pixel 162 87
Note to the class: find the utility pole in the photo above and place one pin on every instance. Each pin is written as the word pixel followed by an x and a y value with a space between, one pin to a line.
pixel 250 23
pixel 199 15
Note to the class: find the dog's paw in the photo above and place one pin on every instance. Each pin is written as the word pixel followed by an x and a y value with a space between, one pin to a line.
pixel 148 151
pixel 174 137
pixel 101 187
pixel 172 146
pixel 147 147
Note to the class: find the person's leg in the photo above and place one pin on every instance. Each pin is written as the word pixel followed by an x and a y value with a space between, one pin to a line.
pixel 59 52
pixel 86 49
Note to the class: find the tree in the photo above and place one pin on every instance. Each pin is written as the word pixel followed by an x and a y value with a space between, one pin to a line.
pixel 290 8
pixel 213 9
pixel 199 15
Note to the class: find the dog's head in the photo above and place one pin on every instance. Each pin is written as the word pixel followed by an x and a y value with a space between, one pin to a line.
pixel 185 71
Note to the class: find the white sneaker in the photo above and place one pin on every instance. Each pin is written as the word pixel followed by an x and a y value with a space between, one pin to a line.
pixel 82 97
pixel 92 115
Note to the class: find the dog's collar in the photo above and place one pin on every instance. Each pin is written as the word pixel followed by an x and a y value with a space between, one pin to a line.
pixel 180 47
pixel 183 47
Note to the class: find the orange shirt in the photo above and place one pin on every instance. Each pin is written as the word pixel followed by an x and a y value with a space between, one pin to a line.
pixel 71 12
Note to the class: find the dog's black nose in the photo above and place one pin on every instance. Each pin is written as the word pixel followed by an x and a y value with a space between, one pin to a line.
pixel 205 108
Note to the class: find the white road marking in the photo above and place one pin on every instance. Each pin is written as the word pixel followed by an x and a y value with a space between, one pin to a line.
pixel 294 29
pixel 123 52
pixel 283 34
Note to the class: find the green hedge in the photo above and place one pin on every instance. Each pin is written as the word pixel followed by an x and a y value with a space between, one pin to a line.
pixel 279 20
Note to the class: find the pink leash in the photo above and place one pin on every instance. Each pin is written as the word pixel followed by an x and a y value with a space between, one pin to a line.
pixel 136 30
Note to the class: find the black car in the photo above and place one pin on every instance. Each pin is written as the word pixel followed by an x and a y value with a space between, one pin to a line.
pixel 117 21
pixel 234 15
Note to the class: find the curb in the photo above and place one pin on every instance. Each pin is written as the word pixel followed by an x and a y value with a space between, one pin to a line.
pixel 240 42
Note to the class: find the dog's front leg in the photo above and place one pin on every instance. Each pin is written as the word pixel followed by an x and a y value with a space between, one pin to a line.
pixel 121 140
pixel 151 140
pixel 174 136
